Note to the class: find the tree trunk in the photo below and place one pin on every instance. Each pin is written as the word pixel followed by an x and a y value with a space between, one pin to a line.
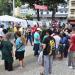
pixel 38 18
pixel 53 13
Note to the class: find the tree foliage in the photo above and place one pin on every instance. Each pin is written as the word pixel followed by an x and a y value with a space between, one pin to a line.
pixel 32 2
pixel 18 3
pixel 5 7
pixel 52 5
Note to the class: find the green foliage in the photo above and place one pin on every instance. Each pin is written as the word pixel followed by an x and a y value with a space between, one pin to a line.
pixel 52 5
pixel 18 3
pixel 5 7
pixel 29 17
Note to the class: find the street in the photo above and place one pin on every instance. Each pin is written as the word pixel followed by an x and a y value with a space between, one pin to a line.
pixel 31 66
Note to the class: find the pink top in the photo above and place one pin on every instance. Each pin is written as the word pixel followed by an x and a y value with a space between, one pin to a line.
pixel 72 38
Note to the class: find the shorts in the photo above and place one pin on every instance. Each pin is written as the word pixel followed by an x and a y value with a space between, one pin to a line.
pixel 19 55
pixel 72 54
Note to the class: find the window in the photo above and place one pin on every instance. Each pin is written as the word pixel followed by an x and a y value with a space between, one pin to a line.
pixel 66 11
pixel 65 5
pixel 72 11
pixel 47 12
pixel 72 3
pixel 61 11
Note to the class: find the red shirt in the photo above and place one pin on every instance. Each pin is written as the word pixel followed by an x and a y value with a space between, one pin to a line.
pixel 33 29
pixel 72 48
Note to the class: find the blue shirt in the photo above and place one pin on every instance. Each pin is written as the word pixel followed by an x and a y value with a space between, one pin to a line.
pixel 19 45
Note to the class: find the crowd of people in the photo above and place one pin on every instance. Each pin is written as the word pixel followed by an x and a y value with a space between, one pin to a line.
pixel 54 43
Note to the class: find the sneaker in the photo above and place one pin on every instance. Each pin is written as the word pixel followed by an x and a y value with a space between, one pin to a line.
pixel 70 67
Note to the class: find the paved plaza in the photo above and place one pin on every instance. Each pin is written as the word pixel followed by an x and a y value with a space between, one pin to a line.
pixel 31 66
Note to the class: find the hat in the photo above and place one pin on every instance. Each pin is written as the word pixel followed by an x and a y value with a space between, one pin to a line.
pixel 39 29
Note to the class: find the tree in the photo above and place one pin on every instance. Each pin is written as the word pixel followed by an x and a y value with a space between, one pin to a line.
pixel 31 3
pixel 52 5
pixel 5 7
pixel 18 3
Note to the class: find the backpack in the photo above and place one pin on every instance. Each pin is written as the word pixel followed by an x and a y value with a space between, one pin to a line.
pixel 51 46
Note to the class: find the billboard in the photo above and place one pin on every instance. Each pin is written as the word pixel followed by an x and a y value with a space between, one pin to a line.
pixel 41 7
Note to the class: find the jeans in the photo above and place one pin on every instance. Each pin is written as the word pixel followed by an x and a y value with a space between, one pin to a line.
pixel 47 64
pixel 36 49
pixel 30 39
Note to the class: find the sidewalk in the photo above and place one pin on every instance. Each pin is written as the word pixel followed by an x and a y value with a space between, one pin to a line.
pixel 32 67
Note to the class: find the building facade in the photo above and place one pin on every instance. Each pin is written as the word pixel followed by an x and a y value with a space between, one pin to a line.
pixel 71 13
pixel 61 14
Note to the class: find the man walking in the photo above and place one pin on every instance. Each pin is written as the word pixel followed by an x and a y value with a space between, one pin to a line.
pixel 36 42
pixel 48 45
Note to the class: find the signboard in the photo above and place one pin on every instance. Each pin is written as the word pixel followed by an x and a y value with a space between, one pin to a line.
pixel 41 7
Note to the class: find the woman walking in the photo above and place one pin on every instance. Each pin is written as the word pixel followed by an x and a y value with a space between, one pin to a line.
pixel 20 49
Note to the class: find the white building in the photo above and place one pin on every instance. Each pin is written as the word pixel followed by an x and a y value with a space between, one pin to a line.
pixel 61 15
pixel 71 13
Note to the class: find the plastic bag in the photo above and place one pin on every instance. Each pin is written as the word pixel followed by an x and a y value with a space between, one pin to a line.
pixel 40 58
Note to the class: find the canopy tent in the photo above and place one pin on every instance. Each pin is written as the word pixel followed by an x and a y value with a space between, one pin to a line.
pixel 23 23
pixel 10 18
pixel 7 18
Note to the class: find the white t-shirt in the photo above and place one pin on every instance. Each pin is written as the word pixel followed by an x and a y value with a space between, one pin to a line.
pixel 57 40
